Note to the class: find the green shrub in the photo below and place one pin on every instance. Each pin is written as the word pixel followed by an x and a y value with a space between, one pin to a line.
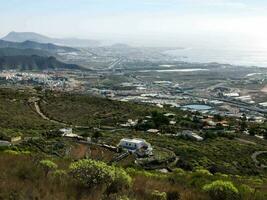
pixel 59 175
pixel 121 181
pixel 48 166
pixel 221 175
pixel 201 173
pixel 90 173
pixel 123 198
pixel 156 195
pixel 60 172
pixel 12 152
pixel 179 172
pixel 222 190
pixel 97 135
pixel 245 191
pixel 200 177
pixel 25 152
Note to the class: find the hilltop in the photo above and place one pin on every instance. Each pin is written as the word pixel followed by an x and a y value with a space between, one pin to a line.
pixel 35 45
pixel 24 36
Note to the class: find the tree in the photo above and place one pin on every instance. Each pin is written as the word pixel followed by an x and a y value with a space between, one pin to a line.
pixel 97 134
pixel 91 173
pixel 122 181
pixel 218 118
pixel 221 190
pixel 159 119
pixel 48 166
pixel 243 123
pixel 254 129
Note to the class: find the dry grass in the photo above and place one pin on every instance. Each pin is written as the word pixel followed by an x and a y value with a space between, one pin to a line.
pixel 22 178
pixel 143 187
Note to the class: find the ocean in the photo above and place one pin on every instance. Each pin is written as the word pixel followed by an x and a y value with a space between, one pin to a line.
pixel 240 57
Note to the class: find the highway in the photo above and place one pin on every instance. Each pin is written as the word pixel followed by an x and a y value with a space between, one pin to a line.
pixel 112 65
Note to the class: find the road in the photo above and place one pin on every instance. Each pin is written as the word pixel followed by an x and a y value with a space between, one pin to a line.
pixel 112 65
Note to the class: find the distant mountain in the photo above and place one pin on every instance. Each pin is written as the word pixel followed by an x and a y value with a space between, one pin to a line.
pixel 120 46
pixel 35 45
pixel 24 36
pixel 23 52
pixel 33 62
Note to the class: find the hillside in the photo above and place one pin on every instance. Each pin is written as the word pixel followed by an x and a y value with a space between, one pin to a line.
pixel 35 45
pixel 33 62
pixel 42 165
pixel 24 36
pixel 23 52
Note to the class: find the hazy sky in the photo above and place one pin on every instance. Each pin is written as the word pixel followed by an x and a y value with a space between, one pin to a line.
pixel 143 22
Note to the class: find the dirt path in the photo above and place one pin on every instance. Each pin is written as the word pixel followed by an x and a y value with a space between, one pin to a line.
pixel 45 117
pixel 245 141
pixel 41 114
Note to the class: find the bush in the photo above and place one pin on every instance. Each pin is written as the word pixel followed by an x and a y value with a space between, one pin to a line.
pixel 97 135
pixel 156 195
pixel 179 172
pixel 200 177
pixel 122 181
pixel 59 175
pixel 245 191
pixel 159 119
pixel 201 173
pixel 12 152
pixel 173 195
pixel 123 198
pixel 222 190
pixel 91 173
pixel 48 165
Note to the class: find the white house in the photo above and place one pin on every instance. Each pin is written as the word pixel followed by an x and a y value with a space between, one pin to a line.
pixel 137 146
pixel 65 131
pixel 192 135
pixel 153 130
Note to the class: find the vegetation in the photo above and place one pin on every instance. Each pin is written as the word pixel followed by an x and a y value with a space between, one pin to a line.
pixel 33 62
pixel 46 166
pixel 91 173
pixel 91 111
pixel 17 114
pixel 220 190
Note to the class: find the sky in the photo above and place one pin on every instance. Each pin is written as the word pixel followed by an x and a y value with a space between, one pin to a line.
pixel 142 22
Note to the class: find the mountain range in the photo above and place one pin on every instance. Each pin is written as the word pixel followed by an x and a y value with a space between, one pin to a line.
pixel 24 52
pixel 35 45
pixel 34 62
pixel 35 37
